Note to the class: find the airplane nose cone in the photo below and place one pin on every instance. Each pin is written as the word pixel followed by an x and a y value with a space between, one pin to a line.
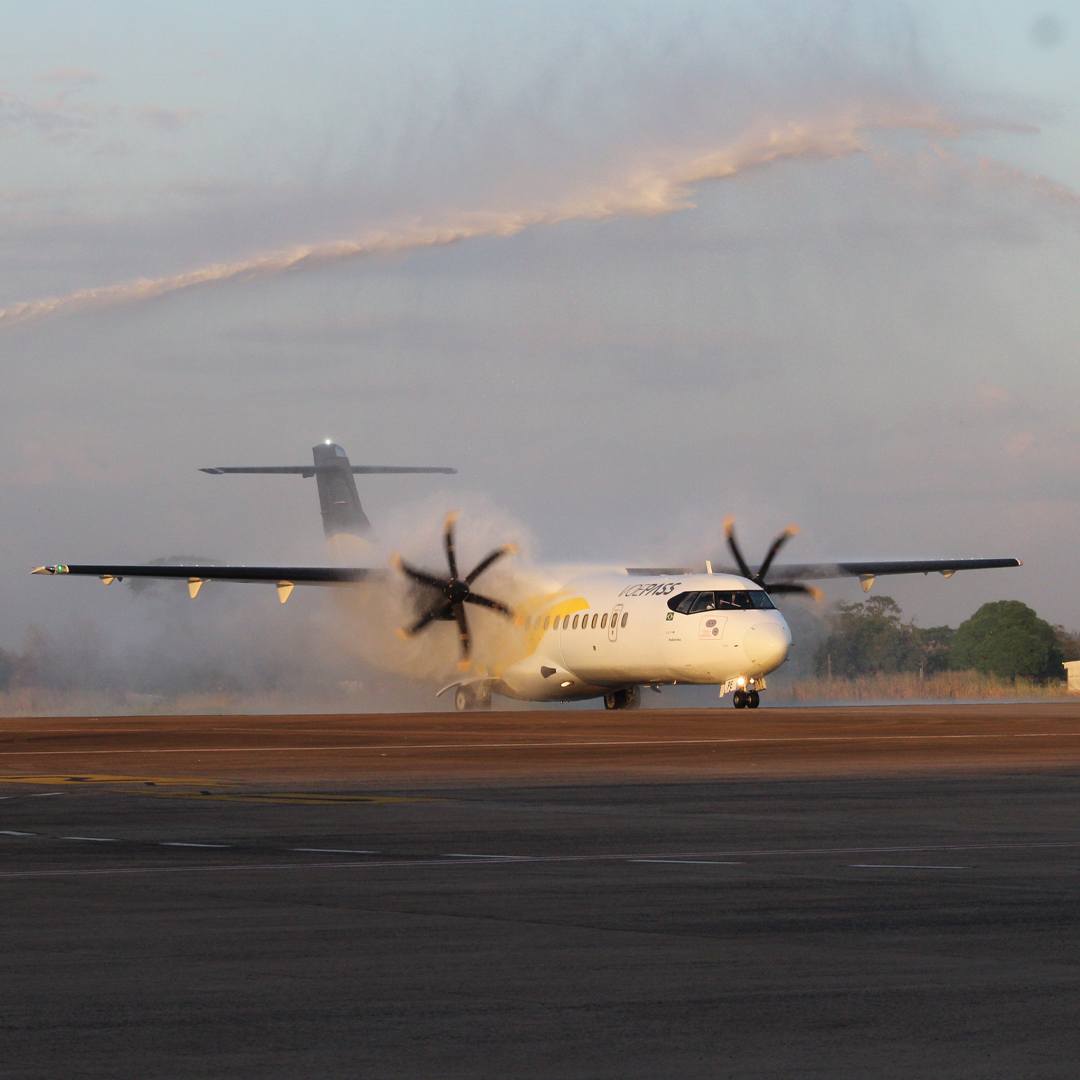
pixel 766 646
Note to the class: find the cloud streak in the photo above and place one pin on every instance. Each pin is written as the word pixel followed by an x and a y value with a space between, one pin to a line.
pixel 663 188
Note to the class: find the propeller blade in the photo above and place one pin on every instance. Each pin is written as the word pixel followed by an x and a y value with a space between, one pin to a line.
pixel 448 542
pixel 795 588
pixel 777 544
pixel 418 575
pixel 463 635
pixel 733 545
pixel 487 602
pixel 492 557
pixel 428 617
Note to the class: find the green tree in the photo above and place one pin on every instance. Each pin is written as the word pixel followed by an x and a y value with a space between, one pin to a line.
pixel 868 637
pixel 934 646
pixel 1006 638
pixel 1068 642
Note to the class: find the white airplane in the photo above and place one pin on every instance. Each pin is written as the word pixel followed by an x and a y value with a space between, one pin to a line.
pixel 571 635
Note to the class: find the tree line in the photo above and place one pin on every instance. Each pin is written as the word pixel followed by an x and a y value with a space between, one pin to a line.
pixel 1005 638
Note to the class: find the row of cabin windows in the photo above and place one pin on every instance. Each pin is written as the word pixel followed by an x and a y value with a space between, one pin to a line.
pixel 690 603
pixel 572 622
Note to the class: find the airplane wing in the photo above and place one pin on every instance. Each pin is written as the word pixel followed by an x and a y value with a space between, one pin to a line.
pixel 284 577
pixel 882 568
pixel 312 470
pixel 866 571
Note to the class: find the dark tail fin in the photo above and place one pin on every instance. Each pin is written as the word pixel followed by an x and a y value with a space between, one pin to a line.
pixel 339 501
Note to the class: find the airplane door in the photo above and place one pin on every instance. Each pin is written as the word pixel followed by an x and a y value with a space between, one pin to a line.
pixel 613 626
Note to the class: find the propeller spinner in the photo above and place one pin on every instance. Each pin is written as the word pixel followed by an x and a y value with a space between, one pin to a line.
pixel 454 591
pixel 759 576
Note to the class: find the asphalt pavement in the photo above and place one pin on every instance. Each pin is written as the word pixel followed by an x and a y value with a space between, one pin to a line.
pixel 902 921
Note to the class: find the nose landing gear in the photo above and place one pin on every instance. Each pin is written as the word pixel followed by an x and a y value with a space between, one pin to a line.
pixel 746 699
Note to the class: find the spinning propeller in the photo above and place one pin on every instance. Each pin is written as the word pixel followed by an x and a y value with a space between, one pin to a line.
pixel 759 577
pixel 455 592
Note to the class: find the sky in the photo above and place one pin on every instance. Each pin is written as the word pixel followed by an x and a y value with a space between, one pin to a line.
pixel 629 268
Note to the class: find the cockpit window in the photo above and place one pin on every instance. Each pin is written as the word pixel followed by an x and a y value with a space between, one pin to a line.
pixel 690 603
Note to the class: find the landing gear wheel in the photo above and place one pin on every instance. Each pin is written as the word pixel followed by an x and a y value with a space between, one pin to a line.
pixel 753 699
pixel 738 699
pixel 630 698
pixel 467 698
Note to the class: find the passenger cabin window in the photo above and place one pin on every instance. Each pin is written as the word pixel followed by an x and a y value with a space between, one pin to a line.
pixel 594 618
pixel 576 617
pixel 566 622
pixel 547 621
pixel 603 622
pixel 690 603
pixel 625 616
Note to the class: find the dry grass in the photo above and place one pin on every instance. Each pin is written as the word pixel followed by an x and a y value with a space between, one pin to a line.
pixel 30 701
pixel 908 686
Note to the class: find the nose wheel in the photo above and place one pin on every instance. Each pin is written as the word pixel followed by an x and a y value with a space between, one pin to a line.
pixel 746 699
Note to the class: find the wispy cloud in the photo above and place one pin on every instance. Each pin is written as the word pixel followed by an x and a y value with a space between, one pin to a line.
pixel 664 187
pixel 70 76
pixel 55 118
pixel 165 119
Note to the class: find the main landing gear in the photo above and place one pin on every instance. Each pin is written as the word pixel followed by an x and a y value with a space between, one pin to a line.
pixel 630 698
pixel 467 698
pixel 746 699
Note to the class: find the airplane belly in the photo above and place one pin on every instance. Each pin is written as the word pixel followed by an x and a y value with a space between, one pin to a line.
pixel 545 677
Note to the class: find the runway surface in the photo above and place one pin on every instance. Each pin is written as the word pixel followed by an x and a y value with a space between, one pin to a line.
pixel 549 746
pixel 849 892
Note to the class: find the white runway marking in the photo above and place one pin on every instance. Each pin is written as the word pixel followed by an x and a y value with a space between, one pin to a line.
pixel 335 850
pixel 688 862
pixel 185 843
pixel 562 745
pixel 15 832
pixel 469 855
pixel 461 859
pixel 901 866
pixel 340 865
pixel 94 839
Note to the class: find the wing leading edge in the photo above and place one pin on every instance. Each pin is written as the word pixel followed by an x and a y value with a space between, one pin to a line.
pixel 285 578
pixel 866 571
pixel 298 575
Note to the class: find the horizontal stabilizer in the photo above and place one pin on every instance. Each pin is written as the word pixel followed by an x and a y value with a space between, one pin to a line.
pixel 311 470
pixel 339 502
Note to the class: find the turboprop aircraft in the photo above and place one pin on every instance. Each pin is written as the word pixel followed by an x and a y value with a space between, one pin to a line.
pixel 577 634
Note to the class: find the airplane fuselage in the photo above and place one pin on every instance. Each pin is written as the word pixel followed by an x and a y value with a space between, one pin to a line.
pixel 606 631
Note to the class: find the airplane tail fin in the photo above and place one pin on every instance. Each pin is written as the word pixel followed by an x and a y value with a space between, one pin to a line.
pixel 339 501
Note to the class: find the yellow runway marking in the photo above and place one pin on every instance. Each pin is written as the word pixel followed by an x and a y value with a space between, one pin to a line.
pixel 107 778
